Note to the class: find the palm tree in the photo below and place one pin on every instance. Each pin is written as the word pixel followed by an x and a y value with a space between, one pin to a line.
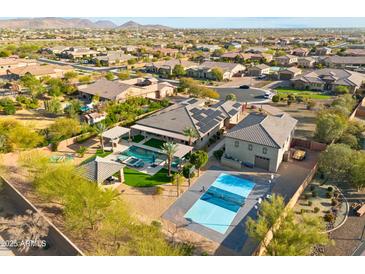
pixel 169 149
pixel 100 128
pixel 178 179
pixel 191 133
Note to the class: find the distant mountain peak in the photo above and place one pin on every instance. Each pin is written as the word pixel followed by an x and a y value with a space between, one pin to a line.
pixel 132 24
pixel 54 23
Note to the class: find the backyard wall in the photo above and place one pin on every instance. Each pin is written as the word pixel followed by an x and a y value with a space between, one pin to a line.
pixel 307 144
pixel 261 250
pixel 55 237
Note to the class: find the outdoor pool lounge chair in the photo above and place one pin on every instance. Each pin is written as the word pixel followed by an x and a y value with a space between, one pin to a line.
pixel 133 162
pixel 57 159
pixel 139 164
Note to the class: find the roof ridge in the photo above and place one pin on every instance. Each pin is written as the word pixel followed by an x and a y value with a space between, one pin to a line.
pixel 264 129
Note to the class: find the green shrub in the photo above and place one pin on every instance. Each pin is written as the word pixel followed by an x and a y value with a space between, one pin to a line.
pixel 316 210
pixel 311 104
pixel 312 187
pixel 186 169
pixel 329 217
pixel 81 151
pixel 158 190
pixel 329 195
pixel 54 146
pixel 314 194
pixel 310 203
pixel 330 189
pixel 334 202
pixel 218 154
pixel 156 224
pixel 7 105
pixel 276 98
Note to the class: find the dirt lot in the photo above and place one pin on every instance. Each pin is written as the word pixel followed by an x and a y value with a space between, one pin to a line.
pixel 32 118
pixel 306 118
pixel 238 81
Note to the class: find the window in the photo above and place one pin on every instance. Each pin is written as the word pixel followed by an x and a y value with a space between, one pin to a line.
pixel 264 150
pixel 236 143
pixel 250 147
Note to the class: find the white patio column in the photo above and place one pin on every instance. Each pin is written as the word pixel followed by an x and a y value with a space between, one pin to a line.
pixel 121 173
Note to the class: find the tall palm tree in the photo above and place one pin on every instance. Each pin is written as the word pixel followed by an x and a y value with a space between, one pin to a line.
pixel 100 128
pixel 178 179
pixel 169 149
pixel 191 133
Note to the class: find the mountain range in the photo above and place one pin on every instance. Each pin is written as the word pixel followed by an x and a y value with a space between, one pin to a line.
pixel 70 23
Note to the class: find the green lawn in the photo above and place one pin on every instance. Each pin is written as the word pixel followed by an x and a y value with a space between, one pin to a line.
pixel 305 93
pixel 138 179
pixel 136 138
pixel 99 153
pixel 156 143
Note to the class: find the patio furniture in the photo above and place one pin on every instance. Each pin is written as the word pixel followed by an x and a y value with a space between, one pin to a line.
pixel 361 211
pixel 299 155
pixel 57 159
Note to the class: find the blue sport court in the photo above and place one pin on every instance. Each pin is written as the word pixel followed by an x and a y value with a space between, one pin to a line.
pixel 218 206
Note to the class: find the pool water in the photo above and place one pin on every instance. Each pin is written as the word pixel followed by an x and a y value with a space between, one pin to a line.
pixel 147 156
pixel 219 205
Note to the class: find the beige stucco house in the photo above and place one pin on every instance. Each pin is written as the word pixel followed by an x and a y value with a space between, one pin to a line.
pixel 259 141
pixel 120 90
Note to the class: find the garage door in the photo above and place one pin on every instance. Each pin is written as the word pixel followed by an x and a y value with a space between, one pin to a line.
pixel 262 162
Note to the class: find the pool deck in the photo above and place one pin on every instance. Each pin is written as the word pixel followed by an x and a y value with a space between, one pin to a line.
pixel 235 241
pixel 147 168
pixel 235 237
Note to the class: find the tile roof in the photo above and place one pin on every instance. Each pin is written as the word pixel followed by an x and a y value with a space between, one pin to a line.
pixel 170 64
pixel 191 113
pixel 223 65
pixel 105 88
pixel 263 129
pixel 339 76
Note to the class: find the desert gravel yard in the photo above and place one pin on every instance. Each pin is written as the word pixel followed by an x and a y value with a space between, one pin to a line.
pixel 348 237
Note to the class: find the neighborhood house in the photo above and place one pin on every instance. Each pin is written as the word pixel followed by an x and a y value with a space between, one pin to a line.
pixel 259 141
pixel 170 123
pixel 120 90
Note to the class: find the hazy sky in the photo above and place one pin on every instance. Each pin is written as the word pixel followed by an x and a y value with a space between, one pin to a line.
pixel 246 22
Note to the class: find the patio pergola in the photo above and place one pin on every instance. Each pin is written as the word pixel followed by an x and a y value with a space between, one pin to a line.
pixel 114 135
pixel 100 169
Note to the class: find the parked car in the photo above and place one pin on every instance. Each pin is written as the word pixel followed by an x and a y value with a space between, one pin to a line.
pixel 261 77
pixel 267 95
pixel 244 87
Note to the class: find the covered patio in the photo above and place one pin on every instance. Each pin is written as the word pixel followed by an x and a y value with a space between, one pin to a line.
pixel 112 138
pixel 103 171
pixel 165 135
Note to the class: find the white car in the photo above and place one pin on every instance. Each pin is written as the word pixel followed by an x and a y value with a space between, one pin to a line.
pixel 267 95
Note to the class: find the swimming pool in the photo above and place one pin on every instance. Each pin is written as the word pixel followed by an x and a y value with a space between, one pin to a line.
pixel 147 156
pixel 218 206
